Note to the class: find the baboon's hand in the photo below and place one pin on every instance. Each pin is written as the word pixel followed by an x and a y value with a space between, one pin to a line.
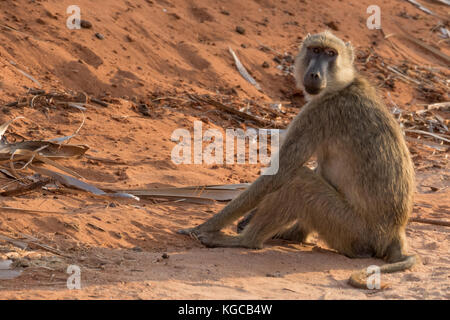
pixel 187 231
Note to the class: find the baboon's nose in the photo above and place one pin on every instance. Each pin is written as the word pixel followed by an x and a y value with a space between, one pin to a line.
pixel 315 75
pixel 314 82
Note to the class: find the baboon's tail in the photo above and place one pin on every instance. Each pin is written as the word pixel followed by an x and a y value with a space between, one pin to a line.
pixel 359 279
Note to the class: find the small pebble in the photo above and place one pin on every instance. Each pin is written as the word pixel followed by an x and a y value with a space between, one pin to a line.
pixel 99 36
pixel 276 274
pixel 240 30
pixel 332 25
pixel 288 58
pixel 85 24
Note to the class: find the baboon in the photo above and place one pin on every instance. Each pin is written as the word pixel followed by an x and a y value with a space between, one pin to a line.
pixel 359 197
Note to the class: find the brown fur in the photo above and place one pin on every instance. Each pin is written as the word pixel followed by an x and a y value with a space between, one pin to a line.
pixel 360 196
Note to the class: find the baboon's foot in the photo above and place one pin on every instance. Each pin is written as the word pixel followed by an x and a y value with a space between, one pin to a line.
pixel 201 228
pixel 194 232
pixel 220 239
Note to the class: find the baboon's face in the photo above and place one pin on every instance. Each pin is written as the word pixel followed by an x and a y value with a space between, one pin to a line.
pixel 318 61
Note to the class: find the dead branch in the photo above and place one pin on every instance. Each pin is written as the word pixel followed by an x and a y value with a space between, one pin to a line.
pixel 431 221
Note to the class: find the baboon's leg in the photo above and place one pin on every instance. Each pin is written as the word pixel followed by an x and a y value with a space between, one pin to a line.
pixel 262 221
pixel 306 198
pixel 243 203
pixel 316 205
pixel 245 221
pixel 296 233
pixel 265 231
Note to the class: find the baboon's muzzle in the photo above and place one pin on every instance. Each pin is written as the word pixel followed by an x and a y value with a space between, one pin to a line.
pixel 314 80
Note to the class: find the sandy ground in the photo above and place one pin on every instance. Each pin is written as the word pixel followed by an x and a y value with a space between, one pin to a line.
pixel 169 48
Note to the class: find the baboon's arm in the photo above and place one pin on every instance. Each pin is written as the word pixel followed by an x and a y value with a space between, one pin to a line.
pixel 302 139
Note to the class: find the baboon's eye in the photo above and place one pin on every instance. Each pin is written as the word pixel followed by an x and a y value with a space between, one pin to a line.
pixel 331 52
pixel 316 50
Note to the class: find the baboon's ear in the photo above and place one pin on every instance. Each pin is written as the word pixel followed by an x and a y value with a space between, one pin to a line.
pixel 350 52
pixel 304 39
